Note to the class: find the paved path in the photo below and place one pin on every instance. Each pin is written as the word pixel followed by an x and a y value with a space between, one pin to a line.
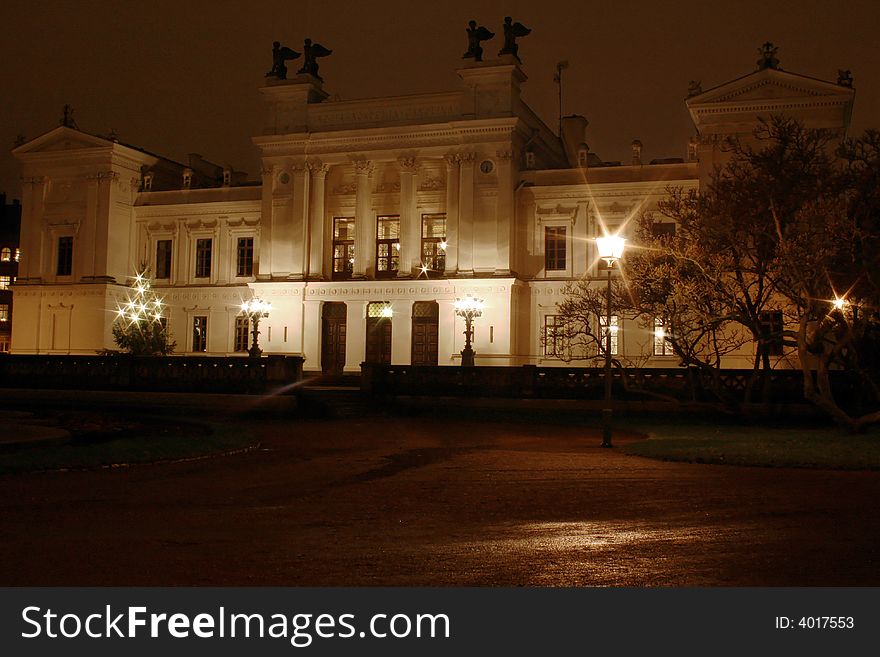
pixel 428 501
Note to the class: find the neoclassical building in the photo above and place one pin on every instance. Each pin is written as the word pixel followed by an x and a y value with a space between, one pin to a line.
pixel 370 218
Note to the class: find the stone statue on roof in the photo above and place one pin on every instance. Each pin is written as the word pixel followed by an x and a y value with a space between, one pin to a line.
pixel 67 119
pixel 844 78
pixel 475 36
pixel 513 31
pixel 311 52
pixel 695 88
pixel 280 54
pixel 768 57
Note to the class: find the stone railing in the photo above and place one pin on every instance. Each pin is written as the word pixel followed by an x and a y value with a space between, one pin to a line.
pixel 231 374
pixel 529 381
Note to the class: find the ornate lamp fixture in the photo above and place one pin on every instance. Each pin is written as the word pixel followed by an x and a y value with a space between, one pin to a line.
pixel 256 309
pixel 468 309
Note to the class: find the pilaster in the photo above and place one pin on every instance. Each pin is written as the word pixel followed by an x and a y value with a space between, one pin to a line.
pixel 318 229
pixel 410 226
pixel 466 214
pixel 364 222
pixel 451 214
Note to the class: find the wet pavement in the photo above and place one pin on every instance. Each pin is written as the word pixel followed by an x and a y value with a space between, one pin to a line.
pixel 439 501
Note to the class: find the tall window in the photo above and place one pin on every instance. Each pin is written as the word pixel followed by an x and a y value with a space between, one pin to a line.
pixel 6 254
pixel 387 245
pixel 615 333
pixel 554 248
pixel 771 333
pixel 434 241
pixel 4 312
pixel 200 334
pixel 244 257
pixel 343 247
pixel 4 282
pixel 163 259
pixel 554 342
pixel 203 257
pixel 662 346
pixel 65 256
pixel 241 333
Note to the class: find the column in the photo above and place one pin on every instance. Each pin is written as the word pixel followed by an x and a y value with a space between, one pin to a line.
pixel 410 224
pixel 300 222
pixel 451 215
pixel 504 213
pixel 264 264
pixel 466 214
pixel 364 228
pixel 317 221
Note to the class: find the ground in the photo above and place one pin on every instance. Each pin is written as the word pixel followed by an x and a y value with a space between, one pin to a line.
pixel 434 500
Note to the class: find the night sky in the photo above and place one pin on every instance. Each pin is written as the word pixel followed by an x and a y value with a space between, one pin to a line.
pixel 181 77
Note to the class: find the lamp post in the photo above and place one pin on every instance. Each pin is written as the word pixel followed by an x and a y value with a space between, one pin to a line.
pixel 610 249
pixel 255 309
pixel 468 308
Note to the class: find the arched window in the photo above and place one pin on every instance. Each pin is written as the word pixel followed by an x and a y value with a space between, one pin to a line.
pixel 6 254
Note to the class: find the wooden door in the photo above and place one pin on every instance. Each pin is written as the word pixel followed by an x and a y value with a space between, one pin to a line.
pixel 333 338
pixel 425 322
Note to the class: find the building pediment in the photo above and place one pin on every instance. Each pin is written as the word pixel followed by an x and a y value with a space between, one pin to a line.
pixel 769 91
pixel 62 138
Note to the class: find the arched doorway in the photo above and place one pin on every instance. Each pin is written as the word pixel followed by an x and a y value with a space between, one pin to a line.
pixel 425 322
pixel 333 338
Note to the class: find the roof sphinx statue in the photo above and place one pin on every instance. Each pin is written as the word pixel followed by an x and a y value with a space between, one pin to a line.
pixel 281 54
pixel 475 36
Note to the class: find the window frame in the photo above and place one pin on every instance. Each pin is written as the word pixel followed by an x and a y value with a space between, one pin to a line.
pixel 392 259
pixel 560 343
pixel 241 326
pixel 348 249
pixel 665 346
pixel 771 321
pixel 246 271
pixel 168 259
pixel 434 258
pixel 615 334
pixel 199 259
pixel 64 258
pixel 202 337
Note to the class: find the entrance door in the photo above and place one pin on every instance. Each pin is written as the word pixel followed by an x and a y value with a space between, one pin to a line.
pixel 379 333
pixel 425 320
pixel 333 338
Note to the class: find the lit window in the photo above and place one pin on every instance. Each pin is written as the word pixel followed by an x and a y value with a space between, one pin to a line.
pixel 4 282
pixel 241 333
pixel 65 256
pixel 615 333
pixel 6 254
pixel 4 312
pixel 200 334
pixel 163 259
pixel 244 258
pixel 343 247
pixel 387 245
pixel 554 248
pixel 554 342
pixel 203 258
pixel 17 255
pixel 662 346
pixel 434 241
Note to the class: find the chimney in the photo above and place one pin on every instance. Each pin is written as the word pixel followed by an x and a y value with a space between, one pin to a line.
pixel 637 152
pixel 574 133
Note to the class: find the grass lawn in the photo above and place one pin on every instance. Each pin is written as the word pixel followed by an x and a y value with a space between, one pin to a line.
pixel 113 444
pixel 770 445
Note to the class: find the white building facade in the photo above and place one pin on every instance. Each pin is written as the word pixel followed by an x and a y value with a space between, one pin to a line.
pixel 370 219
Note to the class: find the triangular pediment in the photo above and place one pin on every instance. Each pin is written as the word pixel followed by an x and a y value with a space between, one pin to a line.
pixel 62 138
pixel 768 85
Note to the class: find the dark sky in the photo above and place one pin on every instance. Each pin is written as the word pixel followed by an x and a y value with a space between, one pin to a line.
pixel 178 77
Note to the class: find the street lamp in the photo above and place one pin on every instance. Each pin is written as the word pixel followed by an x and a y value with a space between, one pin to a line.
pixel 256 309
pixel 468 308
pixel 610 249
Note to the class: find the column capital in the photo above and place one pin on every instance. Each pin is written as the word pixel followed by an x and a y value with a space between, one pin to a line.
pixel 318 168
pixel 466 157
pixel 363 167
pixel 407 164
pixel 451 160
pixel 504 154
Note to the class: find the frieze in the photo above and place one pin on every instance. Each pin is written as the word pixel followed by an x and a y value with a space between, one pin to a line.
pixel 388 187
pixel 349 188
pixel 431 184
pixel 243 221
pixel 103 175
pixel 325 117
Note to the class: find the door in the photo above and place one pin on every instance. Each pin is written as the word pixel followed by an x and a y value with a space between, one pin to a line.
pixel 379 333
pixel 425 320
pixel 333 338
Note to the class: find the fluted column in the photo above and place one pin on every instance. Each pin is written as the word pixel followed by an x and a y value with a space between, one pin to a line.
pixel 364 223
pixel 300 222
pixel 410 228
pixel 317 221
pixel 451 214
pixel 504 213
pixel 466 214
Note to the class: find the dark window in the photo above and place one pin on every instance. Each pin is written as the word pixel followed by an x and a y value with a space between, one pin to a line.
pixel 244 259
pixel 65 256
pixel 163 259
pixel 771 333
pixel 343 247
pixel 434 241
pixel 203 258
pixel 554 337
pixel 664 229
pixel 387 246
pixel 200 334
pixel 241 333
pixel 554 248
